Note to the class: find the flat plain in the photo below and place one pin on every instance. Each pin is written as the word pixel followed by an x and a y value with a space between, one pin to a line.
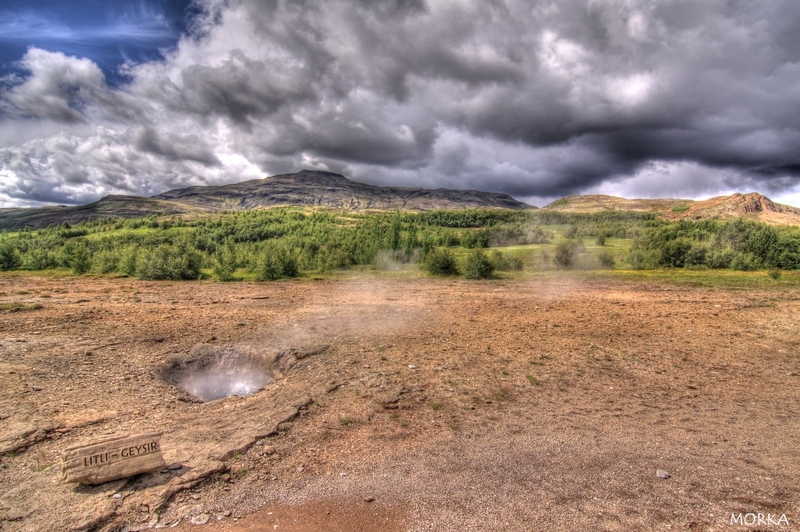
pixel 542 402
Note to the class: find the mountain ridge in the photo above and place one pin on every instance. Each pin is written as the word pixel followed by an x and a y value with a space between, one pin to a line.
pixel 305 188
pixel 329 190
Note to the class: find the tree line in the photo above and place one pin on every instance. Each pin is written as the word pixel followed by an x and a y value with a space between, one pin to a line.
pixel 284 242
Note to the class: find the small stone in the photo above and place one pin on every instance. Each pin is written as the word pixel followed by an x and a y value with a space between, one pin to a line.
pixel 662 474
pixel 116 496
pixel 195 496
pixel 343 474
pixel 36 388
pixel 174 467
pixel 412 366
pixel 226 513
pixel 300 469
pixel 200 519
pixel 369 499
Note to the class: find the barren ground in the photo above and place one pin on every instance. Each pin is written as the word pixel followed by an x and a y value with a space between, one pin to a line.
pixel 547 404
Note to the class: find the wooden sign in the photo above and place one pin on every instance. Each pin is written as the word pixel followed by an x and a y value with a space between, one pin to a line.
pixel 112 458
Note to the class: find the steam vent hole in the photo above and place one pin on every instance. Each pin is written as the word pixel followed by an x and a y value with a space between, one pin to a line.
pixel 211 372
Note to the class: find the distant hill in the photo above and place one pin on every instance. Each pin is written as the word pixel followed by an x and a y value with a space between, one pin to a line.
pixel 334 191
pixel 306 188
pixel 326 189
pixel 107 207
pixel 753 206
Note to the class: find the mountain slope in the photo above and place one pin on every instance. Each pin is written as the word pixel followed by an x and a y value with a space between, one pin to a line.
pixel 326 189
pixel 753 206
pixel 107 207
pixel 310 188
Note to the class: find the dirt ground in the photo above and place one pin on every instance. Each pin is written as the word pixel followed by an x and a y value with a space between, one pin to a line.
pixel 412 404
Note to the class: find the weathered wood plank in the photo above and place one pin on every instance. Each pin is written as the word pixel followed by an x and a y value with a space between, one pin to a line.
pixel 111 458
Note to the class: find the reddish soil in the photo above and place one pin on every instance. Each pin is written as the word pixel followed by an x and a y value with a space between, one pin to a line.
pixel 546 404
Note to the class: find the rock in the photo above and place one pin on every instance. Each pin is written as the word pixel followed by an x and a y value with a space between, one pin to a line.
pixel 46 504
pixel 111 458
pixel 369 499
pixel 390 399
pixel 660 473
pixel 300 469
pixel 268 450
pixel 15 435
pixel 200 519
pixel 412 366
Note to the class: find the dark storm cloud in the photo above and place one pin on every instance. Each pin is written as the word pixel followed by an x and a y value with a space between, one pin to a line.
pixel 174 147
pixel 536 99
pixel 241 89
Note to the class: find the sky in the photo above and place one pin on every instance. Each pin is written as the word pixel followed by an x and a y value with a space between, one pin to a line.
pixel 537 99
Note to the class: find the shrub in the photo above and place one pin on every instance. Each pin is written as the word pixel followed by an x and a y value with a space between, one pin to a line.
pixel 743 262
pixel 440 262
pixel 276 262
pixel 478 265
pixel 476 239
pixel 449 239
pixel 287 262
pixel 9 256
pixel 696 255
pixel 720 258
pixel 331 259
pixel 565 254
pixel 503 262
pixel 169 262
pixel 606 259
pixel 80 261
pixel 37 259
pixel 673 252
pixel 127 263
pixel 640 259
pixel 105 261
pixel 774 273
pixel 224 263
pixel 267 268
pixel 601 240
